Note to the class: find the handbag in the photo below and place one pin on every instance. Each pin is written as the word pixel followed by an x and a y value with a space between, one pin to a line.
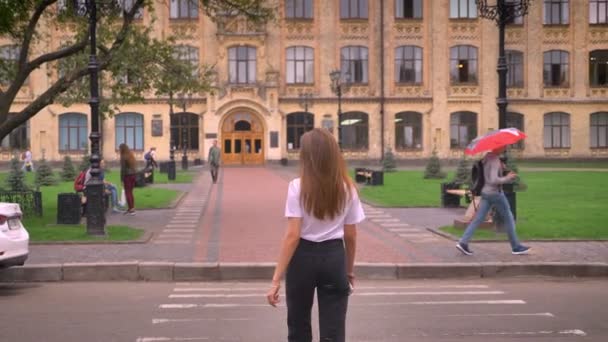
pixel 123 198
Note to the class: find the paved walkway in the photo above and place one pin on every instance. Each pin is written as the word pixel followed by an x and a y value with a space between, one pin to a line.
pixel 240 219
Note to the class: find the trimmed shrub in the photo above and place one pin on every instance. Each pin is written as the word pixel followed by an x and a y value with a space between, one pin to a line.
pixel 433 168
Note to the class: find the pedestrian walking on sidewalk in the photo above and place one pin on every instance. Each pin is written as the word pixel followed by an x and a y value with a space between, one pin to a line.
pixel 128 171
pixel 493 196
pixel 28 161
pixel 318 249
pixel 214 160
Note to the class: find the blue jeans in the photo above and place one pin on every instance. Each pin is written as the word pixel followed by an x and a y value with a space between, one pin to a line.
pixel 114 193
pixel 500 203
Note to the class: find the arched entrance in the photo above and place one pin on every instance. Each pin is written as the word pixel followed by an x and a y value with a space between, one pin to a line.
pixel 242 139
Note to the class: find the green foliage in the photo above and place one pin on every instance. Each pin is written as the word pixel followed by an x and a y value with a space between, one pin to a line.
pixel 44 174
pixel 16 177
pixel 388 163
pixel 68 172
pixel 463 171
pixel 85 163
pixel 433 168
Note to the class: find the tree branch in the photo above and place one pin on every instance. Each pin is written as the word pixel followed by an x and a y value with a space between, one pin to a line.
pixel 29 31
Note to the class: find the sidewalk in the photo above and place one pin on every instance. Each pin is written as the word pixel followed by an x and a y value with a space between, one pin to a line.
pixel 240 220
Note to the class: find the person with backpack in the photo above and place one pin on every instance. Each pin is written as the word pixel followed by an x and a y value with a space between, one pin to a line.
pixel 109 188
pixel 128 172
pixel 150 158
pixel 488 180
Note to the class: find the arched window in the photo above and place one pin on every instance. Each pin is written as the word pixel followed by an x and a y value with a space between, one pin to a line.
pixel 298 124
pixel 516 120
pixel 354 60
pixel 408 130
pixel 599 130
pixel 463 129
pixel 184 131
pixel 73 132
pixel 598 67
pixel 242 64
pixel 9 54
pixel 353 131
pixel 463 64
pixel 130 130
pixel 300 65
pixel 298 9
pixel 408 64
pixel 555 68
pixel 515 71
pixel 557 130
pixel 353 9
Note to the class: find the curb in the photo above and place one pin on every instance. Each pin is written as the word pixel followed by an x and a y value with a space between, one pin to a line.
pixel 455 238
pixel 145 238
pixel 169 271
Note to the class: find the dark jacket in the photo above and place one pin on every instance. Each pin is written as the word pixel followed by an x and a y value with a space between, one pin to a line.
pixel 125 170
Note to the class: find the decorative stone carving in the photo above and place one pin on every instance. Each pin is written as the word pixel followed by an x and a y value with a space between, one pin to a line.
pixel 411 153
pixel 292 90
pixel 516 92
pixel 238 27
pixel 408 30
pixel 299 30
pixel 557 152
pixel 408 91
pixel 184 31
pixel 354 30
pixel 556 35
pixel 556 92
pixel 359 91
pixel 515 35
pixel 599 152
pixel 464 30
pixel 598 35
pixel 464 90
pixel 272 78
pixel 599 92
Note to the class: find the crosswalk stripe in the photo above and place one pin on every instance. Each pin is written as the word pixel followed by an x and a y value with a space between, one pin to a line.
pixel 396 230
pixel 449 302
pixel 357 294
pixel 405 287
pixel 171 242
pixel 177 230
pixel 384 220
pixel 395 224
pixel 163 339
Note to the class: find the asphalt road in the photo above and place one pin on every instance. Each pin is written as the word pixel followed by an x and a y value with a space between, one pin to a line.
pixel 523 309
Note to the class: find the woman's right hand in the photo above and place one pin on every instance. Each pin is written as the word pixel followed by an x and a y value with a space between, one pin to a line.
pixel 273 294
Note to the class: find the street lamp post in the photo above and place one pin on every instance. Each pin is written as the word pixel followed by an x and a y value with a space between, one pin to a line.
pixel 183 103
pixel 339 86
pixel 502 12
pixel 171 166
pixel 96 219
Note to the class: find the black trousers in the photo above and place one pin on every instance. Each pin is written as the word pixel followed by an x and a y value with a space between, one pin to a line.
pixel 320 266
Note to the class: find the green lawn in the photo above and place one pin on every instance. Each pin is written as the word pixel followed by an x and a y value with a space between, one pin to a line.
pixel 44 228
pixel 560 205
pixel 563 164
pixel 180 177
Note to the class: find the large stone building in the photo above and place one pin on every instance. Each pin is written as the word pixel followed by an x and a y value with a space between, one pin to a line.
pixel 422 77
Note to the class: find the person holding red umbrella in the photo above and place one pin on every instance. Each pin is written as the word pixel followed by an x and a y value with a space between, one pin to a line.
pixel 491 193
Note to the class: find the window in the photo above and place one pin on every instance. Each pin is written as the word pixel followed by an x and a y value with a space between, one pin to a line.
pixel 18 139
pixel 354 61
pixel 408 64
pixel 599 130
pixel 242 64
pixel 598 11
pixel 463 9
pixel 463 64
pixel 598 68
pixel 73 132
pixel 515 65
pixel 184 9
pixel 353 9
pixel 353 131
pixel 516 120
pixel 130 130
pixel 73 7
pixel 184 131
pixel 9 55
pixel 189 54
pixel 300 65
pixel 555 70
pixel 410 9
pixel 408 130
pixel 556 12
pixel 557 130
pixel 297 125
pixel 463 129
pixel 298 9
pixel 127 5
pixel 517 20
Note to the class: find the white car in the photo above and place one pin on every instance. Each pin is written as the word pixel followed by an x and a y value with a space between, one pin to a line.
pixel 14 239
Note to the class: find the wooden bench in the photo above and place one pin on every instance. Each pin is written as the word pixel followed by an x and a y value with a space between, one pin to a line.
pixel 370 177
pixel 464 221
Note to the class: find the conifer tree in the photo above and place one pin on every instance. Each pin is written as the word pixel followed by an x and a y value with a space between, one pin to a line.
pixel 44 174
pixel 433 168
pixel 68 172
pixel 388 163
pixel 16 178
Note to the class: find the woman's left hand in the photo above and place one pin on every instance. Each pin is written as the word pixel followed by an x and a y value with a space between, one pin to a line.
pixel 273 294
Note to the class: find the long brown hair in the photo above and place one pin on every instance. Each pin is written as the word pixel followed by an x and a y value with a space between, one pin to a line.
pixel 325 186
pixel 127 156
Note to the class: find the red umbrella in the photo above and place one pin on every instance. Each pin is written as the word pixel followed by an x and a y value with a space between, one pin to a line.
pixel 495 139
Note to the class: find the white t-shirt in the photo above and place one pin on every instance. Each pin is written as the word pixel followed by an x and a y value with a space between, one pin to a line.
pixel 317 230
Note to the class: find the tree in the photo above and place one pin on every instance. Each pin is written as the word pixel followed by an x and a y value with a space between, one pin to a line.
pixel 433 168
pixel 16 178
pixel 68 173
pixel 44 174
pixel 85 162
pixel 518 184
pixel 388 163
pixel 26 24
pixel 463 171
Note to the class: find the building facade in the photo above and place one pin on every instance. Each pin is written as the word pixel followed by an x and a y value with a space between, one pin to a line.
pixel 421 78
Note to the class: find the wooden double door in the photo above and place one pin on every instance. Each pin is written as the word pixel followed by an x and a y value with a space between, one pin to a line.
pixel 242 140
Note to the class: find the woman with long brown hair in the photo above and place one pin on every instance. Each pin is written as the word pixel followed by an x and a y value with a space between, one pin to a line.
pixel 318 249
pixel 128 170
